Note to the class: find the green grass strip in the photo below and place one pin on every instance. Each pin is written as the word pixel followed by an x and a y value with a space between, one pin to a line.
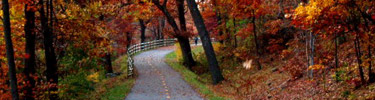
pixel 191 77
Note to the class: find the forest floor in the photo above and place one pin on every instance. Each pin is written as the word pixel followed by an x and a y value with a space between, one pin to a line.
pixel 157 81
pixel 272 82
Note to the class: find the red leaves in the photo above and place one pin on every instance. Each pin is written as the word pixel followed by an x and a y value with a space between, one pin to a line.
pixel 273 26
pixel 27 56
pixel 246 32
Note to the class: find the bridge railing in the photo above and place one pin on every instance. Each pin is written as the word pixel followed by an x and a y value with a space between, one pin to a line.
pixel 133 49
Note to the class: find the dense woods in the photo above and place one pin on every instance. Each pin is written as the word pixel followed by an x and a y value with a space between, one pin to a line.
pixel 61 49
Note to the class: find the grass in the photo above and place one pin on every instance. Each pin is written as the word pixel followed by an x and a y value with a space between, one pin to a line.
pixel 123 85
pixel 193 79
pixel 120 91
pixel 115 88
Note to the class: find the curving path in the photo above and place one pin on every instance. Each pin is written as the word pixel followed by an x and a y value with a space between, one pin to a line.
pixel 157 81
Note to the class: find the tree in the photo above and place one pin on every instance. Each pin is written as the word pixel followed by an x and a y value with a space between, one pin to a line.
pixel 51 61
pixel 143 30
pixel 108 60
pixel 328 19
pixel 206 41
pixel 182 37
pixel 219 18
pixel 184 42
pixel 30 49
pixel 9 50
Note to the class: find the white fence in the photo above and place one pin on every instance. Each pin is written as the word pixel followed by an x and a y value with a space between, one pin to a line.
pixel 132 50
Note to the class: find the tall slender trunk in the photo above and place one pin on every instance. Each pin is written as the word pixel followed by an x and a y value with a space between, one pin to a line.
pixel 183 40
pixel 312 38
pixel 307 51
pixel 256 43
pixel 336 58
pixel 219 20
pixel 108 66
pixel 336 52
pixel 128 39
pixel 9 50
pixel 206 41
pixel 162 25
pixel 51 14
pixel 358 54
pixel 143 30
pixel 30 51
pixel 181 14
pixel 234 33
pixel 371 74
pixel 157 32
pixel 50 56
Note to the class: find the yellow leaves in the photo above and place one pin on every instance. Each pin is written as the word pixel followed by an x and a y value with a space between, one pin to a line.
pixel 312 10
pixel 316 67
pixel 217 46
pixel 93 77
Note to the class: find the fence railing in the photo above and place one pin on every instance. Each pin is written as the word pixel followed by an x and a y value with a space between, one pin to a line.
pixel 132 50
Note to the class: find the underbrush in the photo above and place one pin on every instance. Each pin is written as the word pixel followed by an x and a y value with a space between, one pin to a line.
pixel 273 81
pixel 84 78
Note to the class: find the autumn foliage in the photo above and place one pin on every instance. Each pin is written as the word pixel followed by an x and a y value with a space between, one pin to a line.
pixel 293 45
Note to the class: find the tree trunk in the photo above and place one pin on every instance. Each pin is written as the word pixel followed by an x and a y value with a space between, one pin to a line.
pixel 307 51
pixel 181 14
pixel 219 20
pixel 206 41
pixel 51 62
pixel 162 25
pixel 128 39
pixel 169 17
pixel 143 30
pixel 157 32
pixel 234 33
pixel 336 52
pixel 256 43
pixel 185 46
pixel 336 57
pixel 312 53
pixel 30 51
pixel 358 54
pixel 370 73
pixel 184 41
pixel 50 13
pixel 108 66
pixel 188 60
pixel 9 50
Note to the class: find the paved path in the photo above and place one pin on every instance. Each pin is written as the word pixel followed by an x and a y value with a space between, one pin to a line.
pixel 157 81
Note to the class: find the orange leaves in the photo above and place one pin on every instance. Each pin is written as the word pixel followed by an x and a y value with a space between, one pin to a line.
pixel 242 9
pixel 316 67
pixel 274 26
